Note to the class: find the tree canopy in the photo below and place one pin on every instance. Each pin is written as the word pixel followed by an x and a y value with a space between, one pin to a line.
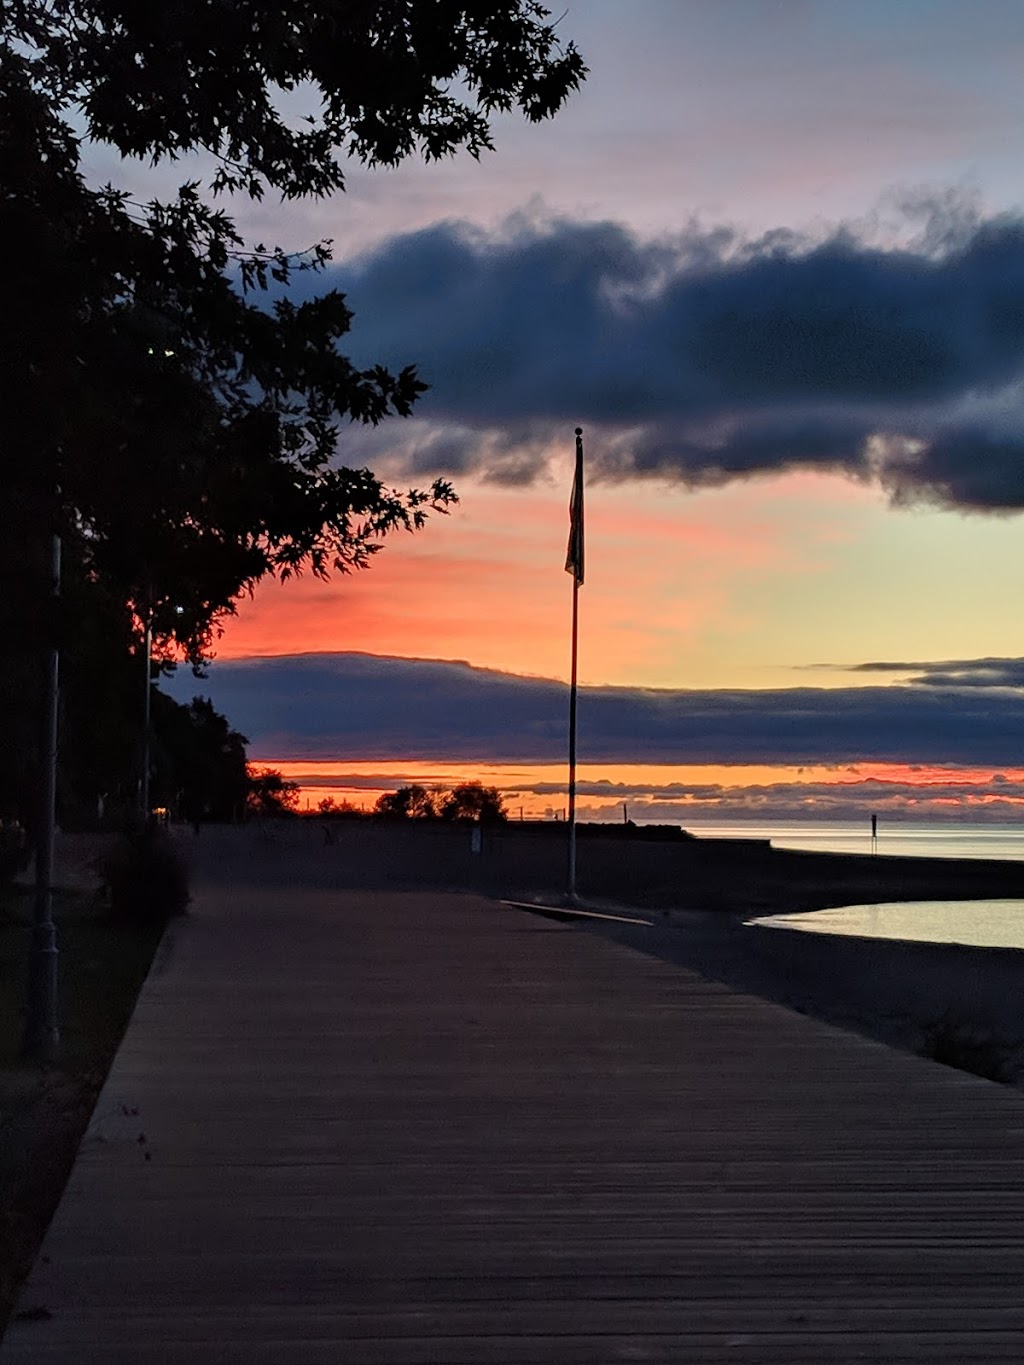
pixel 165 405
pixel 410 803
pixel 466 801
pixel 187 428
pixel 474 801
pixel 381 80
pixel 270 793
pixel 161 398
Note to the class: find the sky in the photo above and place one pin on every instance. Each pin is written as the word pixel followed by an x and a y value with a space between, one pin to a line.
pixel 771 259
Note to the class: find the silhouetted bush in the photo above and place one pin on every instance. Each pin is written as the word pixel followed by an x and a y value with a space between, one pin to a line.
pixel 146 877
pixel 14 849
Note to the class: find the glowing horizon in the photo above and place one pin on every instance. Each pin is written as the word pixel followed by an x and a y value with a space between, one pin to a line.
pixel 675 793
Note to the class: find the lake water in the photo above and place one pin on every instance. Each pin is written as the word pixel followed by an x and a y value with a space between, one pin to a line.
pixel 984 923
pixel 938 840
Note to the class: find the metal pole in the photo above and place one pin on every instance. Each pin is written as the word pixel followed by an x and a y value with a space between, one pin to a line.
pixel 42 1034
pixel 574 565
pixel 144 775
pixel 572 744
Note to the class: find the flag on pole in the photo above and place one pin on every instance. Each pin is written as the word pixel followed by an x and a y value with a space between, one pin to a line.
pixel 574 554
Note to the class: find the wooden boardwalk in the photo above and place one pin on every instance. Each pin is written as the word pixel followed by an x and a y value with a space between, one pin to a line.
pixel 365 1128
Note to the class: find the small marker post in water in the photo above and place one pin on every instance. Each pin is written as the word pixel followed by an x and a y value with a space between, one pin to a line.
pixel 874 834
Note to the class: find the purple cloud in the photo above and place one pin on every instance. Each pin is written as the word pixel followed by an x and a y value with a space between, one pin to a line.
pixel 365 707
pixel 707 357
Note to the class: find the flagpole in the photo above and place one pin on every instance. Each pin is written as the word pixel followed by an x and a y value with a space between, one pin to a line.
pixel 575 565
pixel 572 744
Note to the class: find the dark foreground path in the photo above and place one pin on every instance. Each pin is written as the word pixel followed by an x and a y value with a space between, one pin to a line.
pixel 373 1128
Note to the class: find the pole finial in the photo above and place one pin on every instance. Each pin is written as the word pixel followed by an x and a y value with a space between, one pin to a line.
pixel 579 431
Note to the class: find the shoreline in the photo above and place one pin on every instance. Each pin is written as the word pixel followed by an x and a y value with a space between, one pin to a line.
pixel 955 1003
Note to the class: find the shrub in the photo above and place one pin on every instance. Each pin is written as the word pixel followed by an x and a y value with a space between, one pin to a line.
pixel 14 849
pixel 146 877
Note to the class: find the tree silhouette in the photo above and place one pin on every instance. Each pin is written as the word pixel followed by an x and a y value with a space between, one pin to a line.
pixel 270 793
pixel 474 801
pixel 381 80
pixel 468 801
pixel 410 803
pixel 200 763
pixel 165 406
pixel 186 428
pixel 155 394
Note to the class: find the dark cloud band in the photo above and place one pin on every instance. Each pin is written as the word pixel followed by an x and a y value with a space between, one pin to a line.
pixel 364 707
pixel 956 673
pixel 707 358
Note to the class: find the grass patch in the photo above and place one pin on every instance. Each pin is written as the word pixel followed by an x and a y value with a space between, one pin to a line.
pixel 44 1110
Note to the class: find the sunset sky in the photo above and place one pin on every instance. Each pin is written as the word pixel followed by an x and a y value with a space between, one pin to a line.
pixel 771 258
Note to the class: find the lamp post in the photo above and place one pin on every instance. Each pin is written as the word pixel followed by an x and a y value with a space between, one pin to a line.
pixel 147 650
pixel 42 1033
pixel 147 707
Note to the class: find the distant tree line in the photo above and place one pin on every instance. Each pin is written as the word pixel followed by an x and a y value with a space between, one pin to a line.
pixel 271 794
pixel 467 801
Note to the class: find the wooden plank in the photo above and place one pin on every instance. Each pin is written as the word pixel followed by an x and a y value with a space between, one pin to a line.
pixel 390 1129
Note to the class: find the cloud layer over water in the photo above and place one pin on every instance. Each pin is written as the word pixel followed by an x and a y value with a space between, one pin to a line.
pixel 707 357
pixel 365 707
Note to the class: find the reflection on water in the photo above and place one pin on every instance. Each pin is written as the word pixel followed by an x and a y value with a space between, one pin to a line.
pixel 908 839
pixel 990 924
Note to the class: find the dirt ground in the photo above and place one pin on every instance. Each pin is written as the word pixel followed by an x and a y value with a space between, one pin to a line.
pixel 44 1110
